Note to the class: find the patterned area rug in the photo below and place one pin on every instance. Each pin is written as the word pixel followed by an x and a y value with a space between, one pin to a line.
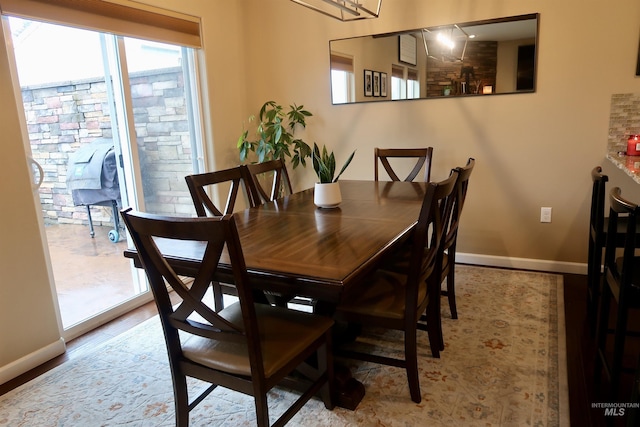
pixel 503 365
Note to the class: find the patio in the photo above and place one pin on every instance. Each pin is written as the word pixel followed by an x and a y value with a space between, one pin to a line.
pixel 91 274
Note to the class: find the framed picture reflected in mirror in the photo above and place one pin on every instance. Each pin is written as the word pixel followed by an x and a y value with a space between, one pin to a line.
pixel 376 83
pixel 383 84
pixel 368 83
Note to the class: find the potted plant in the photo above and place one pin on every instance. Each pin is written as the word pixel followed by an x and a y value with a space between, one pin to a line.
pixel 327 190
pixel 275 133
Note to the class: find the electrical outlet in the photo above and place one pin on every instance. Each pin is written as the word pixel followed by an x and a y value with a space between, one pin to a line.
pixel 545 214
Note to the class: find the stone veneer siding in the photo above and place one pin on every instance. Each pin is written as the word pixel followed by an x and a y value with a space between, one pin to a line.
pixel 61 117
pixel 483 56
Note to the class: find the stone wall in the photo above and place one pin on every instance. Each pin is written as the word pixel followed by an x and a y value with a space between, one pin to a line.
pixel 483 56
pixel 63 117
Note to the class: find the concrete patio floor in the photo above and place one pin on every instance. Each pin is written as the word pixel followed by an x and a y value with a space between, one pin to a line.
pixel 90 274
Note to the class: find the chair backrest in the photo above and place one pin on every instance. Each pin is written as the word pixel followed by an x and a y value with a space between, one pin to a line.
pixel 272 173
pixel 214 233
pixel 620 207
pixel 598 194
pixel 428 238
pixel 198 184
pixel 423 156
pixel 459 197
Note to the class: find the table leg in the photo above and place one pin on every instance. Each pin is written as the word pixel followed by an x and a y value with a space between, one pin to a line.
pixel 349 391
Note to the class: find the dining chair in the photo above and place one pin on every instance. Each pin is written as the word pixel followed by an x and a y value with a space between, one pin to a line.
pixel 451 234
pixel 396 300
pixel 270 174
pixel 247 347
pixel 199 185
pixel 633 414
pixel 597 239
pixel 619 286
pixel 422 156
pixel 598 230
pixel 399 261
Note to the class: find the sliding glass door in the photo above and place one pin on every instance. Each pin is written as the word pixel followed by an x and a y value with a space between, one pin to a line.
pixel 113 122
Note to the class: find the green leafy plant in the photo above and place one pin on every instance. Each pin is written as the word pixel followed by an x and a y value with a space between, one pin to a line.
pixel 325 164
pixel 275 135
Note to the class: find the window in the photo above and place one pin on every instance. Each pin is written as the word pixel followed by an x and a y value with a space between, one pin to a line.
pixel 413 84
pixel 398 84
pixel 342 79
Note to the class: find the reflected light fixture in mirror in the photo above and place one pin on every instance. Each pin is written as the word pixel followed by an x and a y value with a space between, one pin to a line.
pixel 344 10
pixel 448 41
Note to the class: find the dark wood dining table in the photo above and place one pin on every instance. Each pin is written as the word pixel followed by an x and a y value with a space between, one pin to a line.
pixel 292 247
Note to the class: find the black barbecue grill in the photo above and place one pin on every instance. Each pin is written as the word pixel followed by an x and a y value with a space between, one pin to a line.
pixel 92 178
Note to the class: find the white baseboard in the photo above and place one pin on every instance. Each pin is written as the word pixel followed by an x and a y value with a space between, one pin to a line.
pixel 522 263
pixel 32 360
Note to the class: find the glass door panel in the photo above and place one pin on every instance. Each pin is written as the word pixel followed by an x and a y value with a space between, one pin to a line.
pixel 70 106
pixel 167 136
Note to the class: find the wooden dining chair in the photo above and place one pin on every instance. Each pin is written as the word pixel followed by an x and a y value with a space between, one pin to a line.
pixel 270 175
pixel 247 347
pixel 200 186
pixel 399 261
pixel 396 300
pixel 597 239
pixel 598 231
pixel 451 234
pixel 633 414
pixel 422 156
pixel 620 286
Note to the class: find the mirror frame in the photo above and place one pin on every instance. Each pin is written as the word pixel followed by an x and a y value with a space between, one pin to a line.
pixel 638 63
pixel 472 71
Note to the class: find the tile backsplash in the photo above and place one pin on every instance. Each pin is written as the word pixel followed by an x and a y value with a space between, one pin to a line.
pixel 624 120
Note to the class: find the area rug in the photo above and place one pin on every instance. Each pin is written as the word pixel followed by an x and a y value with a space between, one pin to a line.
pixel 504 364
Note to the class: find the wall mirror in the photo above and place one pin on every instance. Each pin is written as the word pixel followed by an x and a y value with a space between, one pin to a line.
pixel 490 57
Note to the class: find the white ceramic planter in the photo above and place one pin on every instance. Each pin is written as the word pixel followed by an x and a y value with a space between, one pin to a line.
pixel 327 195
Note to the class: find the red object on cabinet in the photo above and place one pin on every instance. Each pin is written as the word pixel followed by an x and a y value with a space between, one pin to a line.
pixel 633 145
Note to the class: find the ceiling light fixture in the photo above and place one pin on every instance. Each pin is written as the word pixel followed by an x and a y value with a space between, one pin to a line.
pixel 344 10
pixel 447 40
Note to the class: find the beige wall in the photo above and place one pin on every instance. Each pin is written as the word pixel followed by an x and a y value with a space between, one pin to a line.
pixel 532 150
pixel 507 68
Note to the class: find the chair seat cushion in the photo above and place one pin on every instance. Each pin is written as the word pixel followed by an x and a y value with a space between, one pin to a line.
pixel 284 334
pixel 381 295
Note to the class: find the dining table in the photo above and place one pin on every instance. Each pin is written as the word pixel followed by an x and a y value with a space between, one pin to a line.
pixel 292 247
